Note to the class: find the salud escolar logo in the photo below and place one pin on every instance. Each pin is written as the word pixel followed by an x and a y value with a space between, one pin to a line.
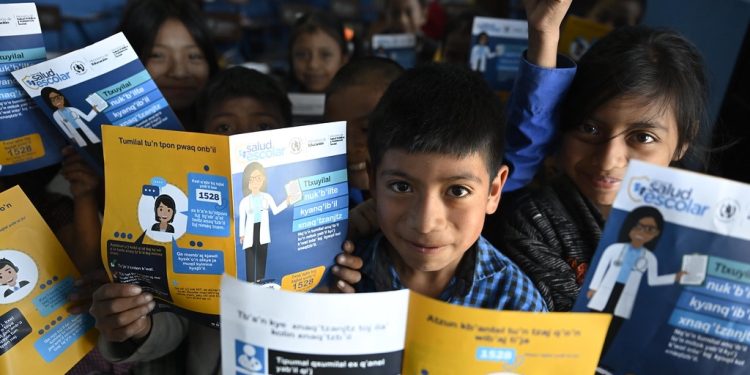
pixel 664 194
pixel 39 80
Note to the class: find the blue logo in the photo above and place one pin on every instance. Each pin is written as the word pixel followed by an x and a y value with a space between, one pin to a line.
pixel 250 358
pixel 44 79
pixel 665 195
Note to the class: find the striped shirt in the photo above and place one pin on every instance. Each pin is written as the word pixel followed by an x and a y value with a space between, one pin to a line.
pixel 484 278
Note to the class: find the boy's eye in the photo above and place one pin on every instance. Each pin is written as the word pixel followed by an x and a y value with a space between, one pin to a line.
pixel 265 126
pixel 458 191
pixel 400 187
pixel 221 128
pixel 196 56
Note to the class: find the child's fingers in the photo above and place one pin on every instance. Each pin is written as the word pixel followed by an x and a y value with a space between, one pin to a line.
pixel 348 275
pixel 351 261
pixel 348 247
pixel 125 326
pixel 343 287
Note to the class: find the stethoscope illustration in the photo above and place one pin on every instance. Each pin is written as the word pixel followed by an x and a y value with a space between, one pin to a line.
pixel 640 265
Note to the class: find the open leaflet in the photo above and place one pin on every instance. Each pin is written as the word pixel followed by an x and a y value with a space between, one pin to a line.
pixel 267 331
pixel 183 208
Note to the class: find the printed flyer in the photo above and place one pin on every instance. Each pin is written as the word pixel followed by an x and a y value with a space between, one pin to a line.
pixel 104 83
pixel 26 140
pixel 266 331
pixel 579 34
pixel 401 48
pixel 497 47
pixel 673 267
pixel 37 334
pixel 183 208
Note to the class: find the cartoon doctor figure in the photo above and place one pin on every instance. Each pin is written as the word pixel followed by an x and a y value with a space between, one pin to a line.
pixel 617 277
pixel 70 119
pixel 481 52
pixel 253 212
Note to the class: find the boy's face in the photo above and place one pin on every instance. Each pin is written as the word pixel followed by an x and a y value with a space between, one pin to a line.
pixel 316 57
pixel 8 275
pixel 405 16
pixel 431 207
pixel 242 115
pixel 354 104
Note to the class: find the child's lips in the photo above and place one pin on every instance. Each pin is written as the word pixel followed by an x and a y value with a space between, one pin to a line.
pixel 425 248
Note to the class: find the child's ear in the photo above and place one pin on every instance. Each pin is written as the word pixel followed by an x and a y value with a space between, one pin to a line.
pixel 496 187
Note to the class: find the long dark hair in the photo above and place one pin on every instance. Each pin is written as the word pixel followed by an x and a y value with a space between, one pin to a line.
pixel 658 65
pixel 51 90
pixel 142 19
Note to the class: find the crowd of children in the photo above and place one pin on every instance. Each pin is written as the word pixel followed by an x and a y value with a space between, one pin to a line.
pixel 430 152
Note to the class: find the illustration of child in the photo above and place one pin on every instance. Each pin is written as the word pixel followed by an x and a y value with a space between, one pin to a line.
pixel 255 234
pixel 9 277
pixel 164 210
pixel 70 119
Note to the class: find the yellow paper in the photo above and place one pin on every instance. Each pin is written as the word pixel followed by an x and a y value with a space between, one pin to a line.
pixel 578 34
pixel 448 339
pixel 37 334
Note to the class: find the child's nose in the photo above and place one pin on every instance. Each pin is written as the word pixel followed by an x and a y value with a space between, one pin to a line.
pixel 427 214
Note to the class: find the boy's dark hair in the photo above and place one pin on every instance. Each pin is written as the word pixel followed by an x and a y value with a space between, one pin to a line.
pixel 439 108
pixel 632 220
pixel 6 262
pixel 657 65
pixel 237 82
pixel 45 97
pixel 142 19
pixel 167 201
pixel 370 71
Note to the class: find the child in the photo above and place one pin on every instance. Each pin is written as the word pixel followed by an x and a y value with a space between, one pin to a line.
pixel 639 93
pixel 317 50
pixel 351 97
pixel 436 145
pixel 408 16
pixel 240 100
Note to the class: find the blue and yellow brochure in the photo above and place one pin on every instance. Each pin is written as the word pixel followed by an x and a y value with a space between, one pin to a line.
pixel 497 46
pixel 673 267
pixel 104 83
pixel 183 208
pixel 27 142
pixel 401 48
pixel 37 334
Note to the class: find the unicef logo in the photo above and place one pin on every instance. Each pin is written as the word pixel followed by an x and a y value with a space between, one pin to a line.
pixel 295 145
pixel 637 187
pixel 727 210
pixel 78 67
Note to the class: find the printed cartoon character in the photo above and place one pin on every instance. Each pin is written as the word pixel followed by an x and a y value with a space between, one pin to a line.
pixel 481 52
pixel 70 119
pixel 9 277
pixel 164 210
pixel 255 235
pixel 617 277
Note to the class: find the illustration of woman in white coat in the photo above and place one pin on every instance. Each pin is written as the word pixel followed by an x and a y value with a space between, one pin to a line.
pixel 70 119
pixel 617 277
pixel 253 213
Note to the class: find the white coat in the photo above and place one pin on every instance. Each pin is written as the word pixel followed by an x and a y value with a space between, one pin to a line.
pixel 606 274
pixel 70 129
pixel 247 218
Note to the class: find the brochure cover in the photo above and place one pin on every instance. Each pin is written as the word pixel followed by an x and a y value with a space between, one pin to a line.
pixel 26 140
pixel 307 108
pixel 579 34
pixel 184 208
pixel 672 266
pixel 104 83
pixel 401 48
pixel 37 334
pixel 267 331
pixel 497 47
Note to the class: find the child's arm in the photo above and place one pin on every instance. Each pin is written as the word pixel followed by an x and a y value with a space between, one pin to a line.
pixel 540 86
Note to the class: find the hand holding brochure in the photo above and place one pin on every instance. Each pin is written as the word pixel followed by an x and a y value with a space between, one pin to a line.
pixel 104 83
pixel 675 311
pixel 266 331
pixel 184 208
pixel 37 334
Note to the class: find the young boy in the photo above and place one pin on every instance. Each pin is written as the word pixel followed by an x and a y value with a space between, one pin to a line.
pixel 436 144
pixel 351 97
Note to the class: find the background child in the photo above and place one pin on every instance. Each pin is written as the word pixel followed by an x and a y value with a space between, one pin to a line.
pixel 240 100
pixel 436 145
pixel 351 97
pixel 317 50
